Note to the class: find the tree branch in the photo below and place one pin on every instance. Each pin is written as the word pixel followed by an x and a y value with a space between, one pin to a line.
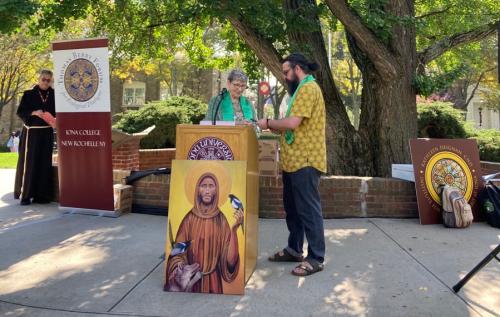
pixel 473 92
pixel 371 46
pixel 309 40
pixel 439 48
pixel 432 13
pixel 260 45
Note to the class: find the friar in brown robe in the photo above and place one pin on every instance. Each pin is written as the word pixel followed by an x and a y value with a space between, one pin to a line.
pixel 214 244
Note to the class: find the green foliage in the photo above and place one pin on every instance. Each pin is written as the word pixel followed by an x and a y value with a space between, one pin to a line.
pixel 425 85
pixel 373 15
pixel 158 29
pixel 488 142
pixel 440 120
pixel 8 160
pixel 165 115
pixel 491 96
pixel 20 64
pixel 13 13
pixel 437 20
pixel 441 18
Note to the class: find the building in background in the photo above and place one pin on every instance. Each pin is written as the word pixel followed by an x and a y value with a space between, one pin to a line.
pixel 482 117
pixel 134 93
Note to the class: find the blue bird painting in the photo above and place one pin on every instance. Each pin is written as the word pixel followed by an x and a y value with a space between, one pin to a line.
pixel 237 205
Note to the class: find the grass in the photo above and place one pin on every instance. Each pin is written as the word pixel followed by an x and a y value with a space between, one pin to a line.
pixel 8 160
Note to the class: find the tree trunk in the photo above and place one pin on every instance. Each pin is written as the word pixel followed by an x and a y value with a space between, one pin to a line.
pixel 345 148
pixel 388 107
pixel 388 119
pixel 1 108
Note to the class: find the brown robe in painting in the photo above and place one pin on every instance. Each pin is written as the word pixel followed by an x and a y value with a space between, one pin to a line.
pixel 209 232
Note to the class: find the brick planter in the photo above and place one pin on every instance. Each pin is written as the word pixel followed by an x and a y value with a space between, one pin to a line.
pixel 155 158
pixel 341 196
pixel 348 197
pixel 126 156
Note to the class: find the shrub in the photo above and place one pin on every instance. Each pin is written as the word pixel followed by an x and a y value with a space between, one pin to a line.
pixel 441 121
pixel 488 142
pixel 165 115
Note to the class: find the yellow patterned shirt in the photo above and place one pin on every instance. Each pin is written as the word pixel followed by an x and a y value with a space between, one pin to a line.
pixel 309 147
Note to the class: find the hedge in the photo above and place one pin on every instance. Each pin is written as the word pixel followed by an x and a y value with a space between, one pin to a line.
pixel 165 115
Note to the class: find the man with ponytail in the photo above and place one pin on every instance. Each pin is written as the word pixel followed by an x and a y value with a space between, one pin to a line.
pixel 303 159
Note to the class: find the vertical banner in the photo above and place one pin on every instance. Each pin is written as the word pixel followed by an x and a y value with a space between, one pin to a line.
pixel 82 97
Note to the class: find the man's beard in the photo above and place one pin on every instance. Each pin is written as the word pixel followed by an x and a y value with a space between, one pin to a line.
pixel 207 204
pixel 292 84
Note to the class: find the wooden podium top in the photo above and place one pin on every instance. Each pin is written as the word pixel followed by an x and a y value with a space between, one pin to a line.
pixel 205 142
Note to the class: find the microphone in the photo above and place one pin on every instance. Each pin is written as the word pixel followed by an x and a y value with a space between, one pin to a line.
pixel 221 96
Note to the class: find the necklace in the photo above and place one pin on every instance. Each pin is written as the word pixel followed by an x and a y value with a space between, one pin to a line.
pixel 44 100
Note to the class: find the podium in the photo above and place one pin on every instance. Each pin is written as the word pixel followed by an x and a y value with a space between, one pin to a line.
pixel 217 151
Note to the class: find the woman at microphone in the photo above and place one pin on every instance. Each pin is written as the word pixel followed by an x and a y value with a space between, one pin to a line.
pixel 229 104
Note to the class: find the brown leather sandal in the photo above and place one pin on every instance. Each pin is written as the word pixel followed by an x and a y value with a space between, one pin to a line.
pixel 310 269
pixel 285 256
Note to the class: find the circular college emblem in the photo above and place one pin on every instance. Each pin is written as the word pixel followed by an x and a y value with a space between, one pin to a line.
pixel 81 80
pixel 447 168
pixel 210 149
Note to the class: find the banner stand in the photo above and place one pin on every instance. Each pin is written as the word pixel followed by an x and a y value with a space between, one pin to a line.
pixel 90 212
pixel 83 126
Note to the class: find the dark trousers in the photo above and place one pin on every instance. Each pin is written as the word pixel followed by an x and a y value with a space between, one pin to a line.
pixel 303 213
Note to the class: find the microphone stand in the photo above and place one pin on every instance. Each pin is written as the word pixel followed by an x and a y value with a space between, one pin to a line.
pixel 221 95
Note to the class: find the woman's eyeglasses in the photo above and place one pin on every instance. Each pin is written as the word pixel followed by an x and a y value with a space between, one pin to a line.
pixel 240 86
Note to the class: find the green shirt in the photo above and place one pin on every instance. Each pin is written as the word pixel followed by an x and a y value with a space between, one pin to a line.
pixel 226 111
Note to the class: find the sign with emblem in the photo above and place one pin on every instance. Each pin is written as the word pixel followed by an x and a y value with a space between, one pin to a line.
pixel 82 97
pixel 210 148
pixel 82 79
pixel 439 162
pixel 264 88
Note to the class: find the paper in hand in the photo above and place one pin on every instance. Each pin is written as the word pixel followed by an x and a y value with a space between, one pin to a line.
pixel 47 117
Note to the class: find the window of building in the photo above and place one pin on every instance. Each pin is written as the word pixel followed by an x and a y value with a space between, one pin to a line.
pixel 134 94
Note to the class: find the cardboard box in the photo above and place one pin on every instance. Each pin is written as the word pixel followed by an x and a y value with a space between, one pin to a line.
pixel 268 157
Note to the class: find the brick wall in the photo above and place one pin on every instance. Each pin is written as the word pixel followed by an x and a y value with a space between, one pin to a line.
pixel 119 176
pixel 490 167
pixel 348 197
pixel 152 190
pixel 123 195
pixel 126 156
pixel 341 196
pixel 155 158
